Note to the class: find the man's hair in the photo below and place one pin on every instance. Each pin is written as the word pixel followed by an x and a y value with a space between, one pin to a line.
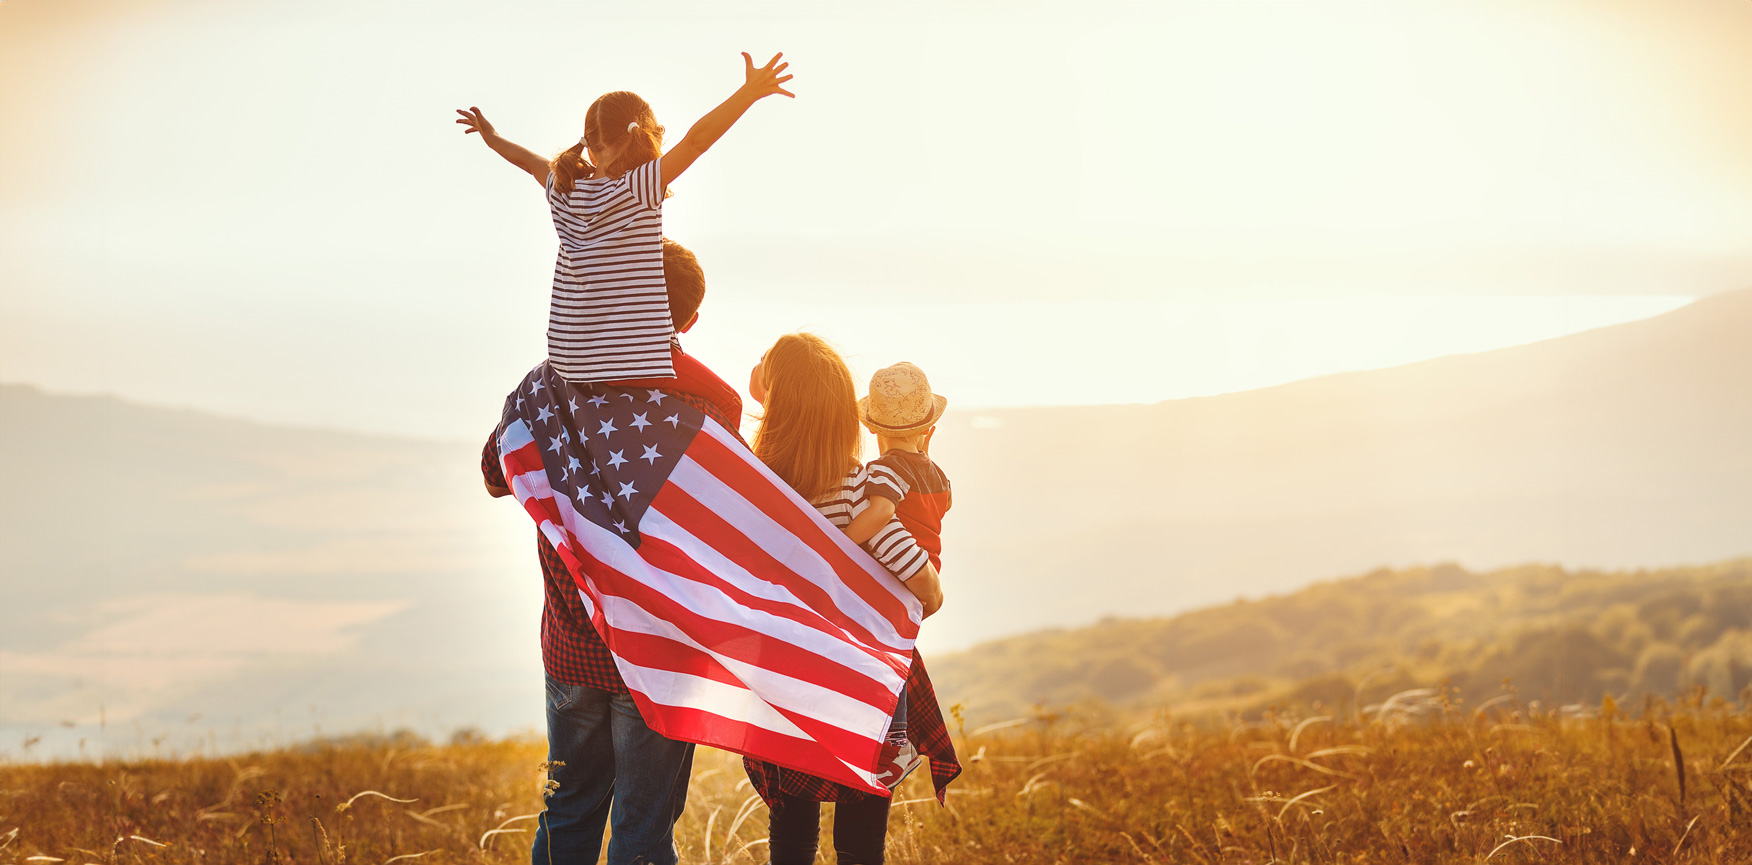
pixel 685 280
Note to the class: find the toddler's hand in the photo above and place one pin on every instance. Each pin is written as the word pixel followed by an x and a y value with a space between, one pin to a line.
pixel 477 122
pixel 765 81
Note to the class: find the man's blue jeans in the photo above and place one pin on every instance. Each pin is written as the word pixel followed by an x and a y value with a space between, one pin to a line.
pixel 610 757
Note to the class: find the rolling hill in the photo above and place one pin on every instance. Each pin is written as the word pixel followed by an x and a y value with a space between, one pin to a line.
pixel 1626 446
pixel 1558 636
pixel 157 565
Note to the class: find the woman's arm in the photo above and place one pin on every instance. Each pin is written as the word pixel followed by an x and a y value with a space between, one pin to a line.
pixel 759 83
pixel 522 157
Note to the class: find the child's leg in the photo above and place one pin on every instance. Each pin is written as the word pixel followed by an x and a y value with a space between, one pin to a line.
pixel 860 831
pixel 897 727
pixel 794 831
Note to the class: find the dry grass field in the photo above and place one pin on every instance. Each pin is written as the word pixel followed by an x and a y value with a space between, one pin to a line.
pixel 1419 779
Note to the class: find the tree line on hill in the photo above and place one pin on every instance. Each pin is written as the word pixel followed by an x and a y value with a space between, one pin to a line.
pixel 1546 633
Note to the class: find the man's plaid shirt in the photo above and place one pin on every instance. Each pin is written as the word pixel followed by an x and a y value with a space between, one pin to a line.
pixel 571 650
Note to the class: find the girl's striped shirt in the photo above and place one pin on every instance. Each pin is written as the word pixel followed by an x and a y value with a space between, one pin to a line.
pixel 609 316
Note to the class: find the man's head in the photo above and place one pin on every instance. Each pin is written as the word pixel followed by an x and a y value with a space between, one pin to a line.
pixel 686 283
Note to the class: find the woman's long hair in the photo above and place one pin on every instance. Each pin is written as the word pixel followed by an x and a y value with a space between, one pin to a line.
pixel 614 118
pixel 808 433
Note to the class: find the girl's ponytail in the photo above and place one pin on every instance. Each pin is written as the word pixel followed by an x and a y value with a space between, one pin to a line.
pixel 568 166
pixel 644 143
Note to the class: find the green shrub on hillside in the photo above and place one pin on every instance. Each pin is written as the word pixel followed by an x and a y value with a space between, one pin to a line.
pixel 1554 635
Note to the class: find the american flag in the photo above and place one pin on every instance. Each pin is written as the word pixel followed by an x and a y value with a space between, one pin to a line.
pixel 738 617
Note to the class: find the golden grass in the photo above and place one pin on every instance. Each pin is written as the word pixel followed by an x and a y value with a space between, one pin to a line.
pixel 1423 782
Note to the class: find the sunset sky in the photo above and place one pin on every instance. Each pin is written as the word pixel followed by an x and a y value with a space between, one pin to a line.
pixel 264 208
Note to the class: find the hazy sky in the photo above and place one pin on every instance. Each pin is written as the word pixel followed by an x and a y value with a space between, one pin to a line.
pixel 264 208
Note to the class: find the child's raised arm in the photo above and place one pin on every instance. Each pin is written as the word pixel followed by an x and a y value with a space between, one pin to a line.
pixel 517 155
pixel 759 83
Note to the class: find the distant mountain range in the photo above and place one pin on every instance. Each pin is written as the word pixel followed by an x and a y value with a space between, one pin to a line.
pixel 156 564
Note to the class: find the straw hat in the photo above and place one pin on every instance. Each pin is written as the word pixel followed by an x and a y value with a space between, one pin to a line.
pixel 900 402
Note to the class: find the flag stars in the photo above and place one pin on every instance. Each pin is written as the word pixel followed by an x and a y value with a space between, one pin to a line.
pixel 585 464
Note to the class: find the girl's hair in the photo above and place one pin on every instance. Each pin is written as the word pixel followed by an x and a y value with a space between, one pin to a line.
pixel 809 433
pixel 613 118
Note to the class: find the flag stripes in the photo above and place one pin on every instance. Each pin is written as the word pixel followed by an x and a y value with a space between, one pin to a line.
pixel 737 616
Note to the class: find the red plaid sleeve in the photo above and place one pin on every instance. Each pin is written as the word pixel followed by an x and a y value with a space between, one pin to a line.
pixel 571 650
pixel 491 472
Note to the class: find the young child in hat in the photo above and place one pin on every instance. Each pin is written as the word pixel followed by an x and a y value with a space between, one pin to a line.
pixel 903 482
pixel 903 413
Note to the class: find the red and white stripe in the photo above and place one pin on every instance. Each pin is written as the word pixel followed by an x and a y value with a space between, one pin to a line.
pixel 745 620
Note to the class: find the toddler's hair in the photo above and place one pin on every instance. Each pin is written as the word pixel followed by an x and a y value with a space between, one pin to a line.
pixel 621 116
pixel 916 440
pixel 808 434
pixel 684 280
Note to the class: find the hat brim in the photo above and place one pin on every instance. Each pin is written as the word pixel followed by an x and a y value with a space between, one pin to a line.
pixel 939 404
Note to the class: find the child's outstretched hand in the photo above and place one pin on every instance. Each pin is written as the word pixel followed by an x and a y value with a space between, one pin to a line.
pixel 477 122
pixel 766 80
pixel 760 83
pixel 522 157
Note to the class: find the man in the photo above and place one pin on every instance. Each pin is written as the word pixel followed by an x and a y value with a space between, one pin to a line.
pixel 608 762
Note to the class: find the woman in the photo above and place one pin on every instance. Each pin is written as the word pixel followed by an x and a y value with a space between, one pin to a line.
pixel 809 436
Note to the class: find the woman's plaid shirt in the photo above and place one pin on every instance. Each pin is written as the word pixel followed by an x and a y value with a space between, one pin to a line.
pixel 924 726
